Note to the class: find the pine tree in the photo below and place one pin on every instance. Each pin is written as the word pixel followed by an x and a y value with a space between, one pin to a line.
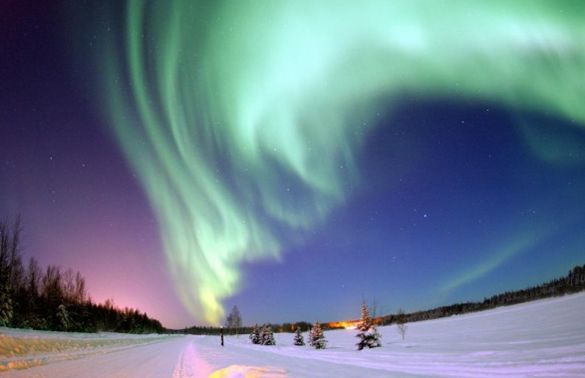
pixel 299 339
pixel 6 308
pixel 234 320
pixel 6 303
pixel 267 337
pixel 255 335
pixel 401 323
pixel 63 316
pixel 317 337
pixel 368 333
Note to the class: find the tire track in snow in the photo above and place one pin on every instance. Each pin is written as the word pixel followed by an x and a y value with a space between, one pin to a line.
pixel 191 364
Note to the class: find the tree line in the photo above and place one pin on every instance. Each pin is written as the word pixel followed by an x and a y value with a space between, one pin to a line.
pixel 55 299
pixel 278 327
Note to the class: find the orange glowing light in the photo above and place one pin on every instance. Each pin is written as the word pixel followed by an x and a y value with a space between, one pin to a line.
pixel 349 324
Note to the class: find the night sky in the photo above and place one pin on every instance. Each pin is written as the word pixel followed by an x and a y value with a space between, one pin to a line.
pixel 294 159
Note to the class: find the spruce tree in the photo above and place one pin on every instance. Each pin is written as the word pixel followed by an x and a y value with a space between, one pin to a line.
pixel 401 323
pixel 317 337
pixel 255 335
pixel 63 316
pixel 368 333
pixel 267 336
pixel 6 269
pixel 6 308
pixel 299 339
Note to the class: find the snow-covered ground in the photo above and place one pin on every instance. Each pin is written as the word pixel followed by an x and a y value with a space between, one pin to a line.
pixel 542 338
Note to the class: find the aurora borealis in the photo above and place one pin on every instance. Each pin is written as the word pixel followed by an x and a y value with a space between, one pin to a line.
pixel 264 134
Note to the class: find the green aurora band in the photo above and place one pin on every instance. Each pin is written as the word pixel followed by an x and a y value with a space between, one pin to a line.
pixel 243 118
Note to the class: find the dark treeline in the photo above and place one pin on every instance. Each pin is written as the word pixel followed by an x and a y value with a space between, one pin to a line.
pixel 210 330
pixel 284 327
pixel 573 282
pixel 55 299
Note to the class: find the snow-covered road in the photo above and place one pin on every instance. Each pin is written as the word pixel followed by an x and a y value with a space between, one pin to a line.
pixel 541 338
pixel 157 357
pixel 179 356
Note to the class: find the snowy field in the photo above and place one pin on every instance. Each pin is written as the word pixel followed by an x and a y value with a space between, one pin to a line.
pixel 542 338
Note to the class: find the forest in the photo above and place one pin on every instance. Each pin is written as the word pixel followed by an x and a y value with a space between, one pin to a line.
pixel 55 299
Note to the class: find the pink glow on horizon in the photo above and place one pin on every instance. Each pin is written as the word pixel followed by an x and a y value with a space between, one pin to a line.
pixel 119 256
